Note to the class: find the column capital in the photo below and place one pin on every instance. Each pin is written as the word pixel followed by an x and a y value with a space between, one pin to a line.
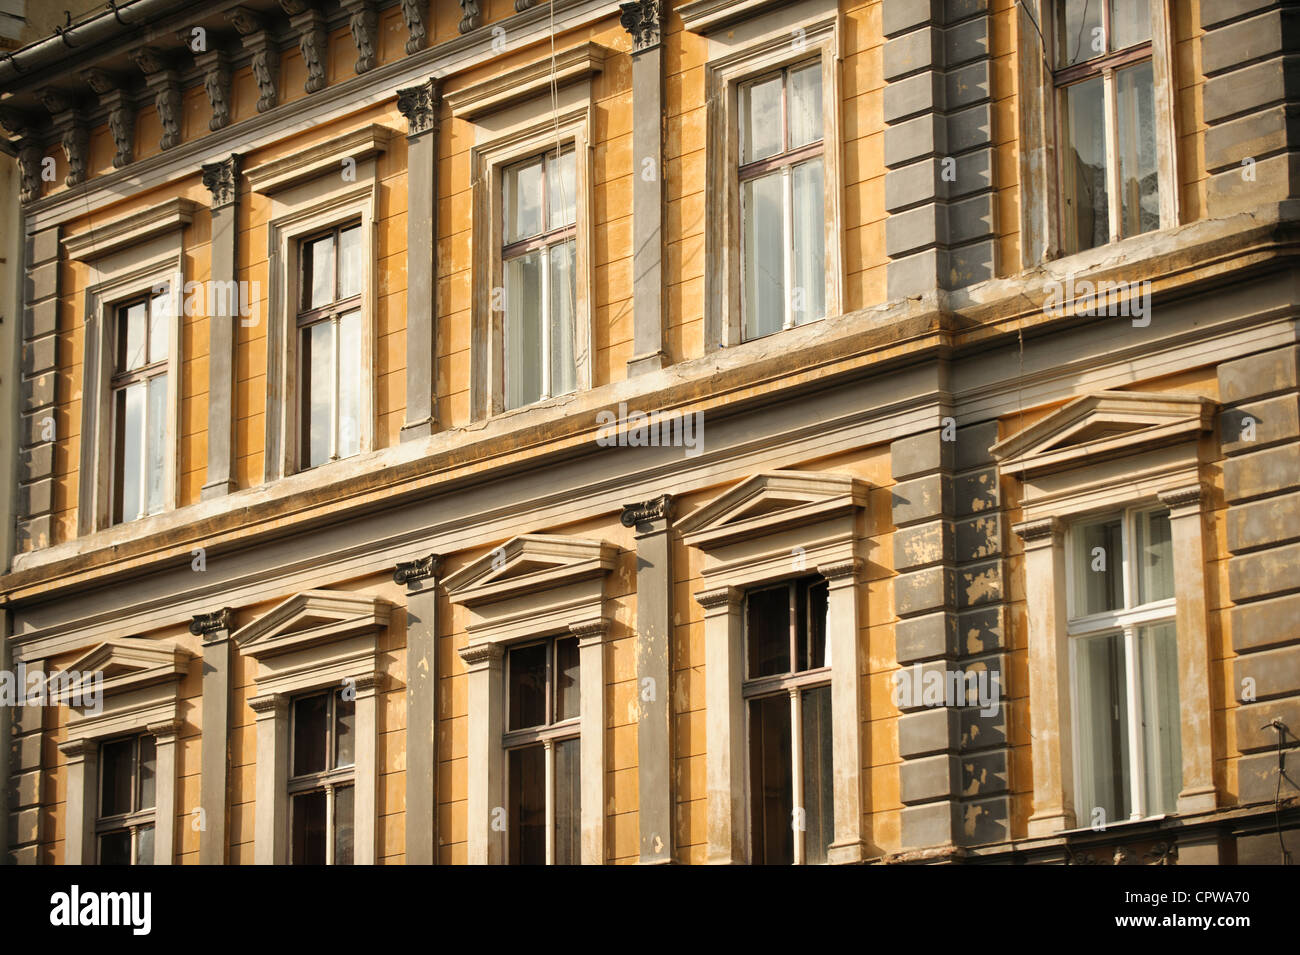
pixel 481 656
pixel 1187 498
pixel 841 571
pixel 166 731
pixel 207 624
pixel 270 705
pixel 725 597
pixel 589 632
pixel 78 749
pixel 409 571
pixel 647 512
pixel 222 180
pixel 643 19
pixel 420 105
pixel 1042 532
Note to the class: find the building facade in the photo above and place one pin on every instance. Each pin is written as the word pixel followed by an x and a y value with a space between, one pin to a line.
pixel 724 431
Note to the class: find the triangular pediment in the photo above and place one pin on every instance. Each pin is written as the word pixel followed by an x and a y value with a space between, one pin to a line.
pixel 312 617
pixel 528 563
pixel 1103 425
pixel 125 665
pixel 774 501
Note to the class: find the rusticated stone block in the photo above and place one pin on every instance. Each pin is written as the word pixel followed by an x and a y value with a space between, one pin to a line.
pixel 921 499
pixel 929 778
pixel 1274 672
pixel 1263 572
pixel 926 637
pixel 1274 520
pixel 1259 375
pixel 1265 623
pixel 920 545
pixel 1263 472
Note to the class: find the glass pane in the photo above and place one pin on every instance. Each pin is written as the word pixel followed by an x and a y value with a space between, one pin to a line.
pixel 309 734
pixel 567 687
pixel 523 329
pixel 160 324
pixel 345 731
pixel 127 446
pixel 561 191
pixel 131 336
pixel 318 272
pixel 116 761
pixel 1130 23
pixel 804 106
pixel 115 848
pixel 568 802
pixel 1098 567
pixel 523 201
pixel 148 772
pixel 771 785
pixel 1161 721
pixel 812 625
pixel 1155 556
pixel 349 384
pixel 157 452
pixel 343 812
pixel 818 775
pixel 350 262
pixel 564 369
pixel 317 362
pixel 144 845
pixel 1079 32
pixel 528 686
pixel 760 119
pixel 1139 180
pixel 308 812
pixel 1083 179
pixel 808 298
pixel 527 823
pixel 1102 719
pixel 761 206
pixel 767 631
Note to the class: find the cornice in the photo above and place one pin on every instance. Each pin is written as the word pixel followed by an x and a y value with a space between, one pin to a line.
pixel 322 159
pixel 708 16
pixel 527 81
pixel 130 231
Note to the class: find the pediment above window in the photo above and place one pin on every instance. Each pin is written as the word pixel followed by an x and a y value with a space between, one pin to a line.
pixel 708 16
pixel 527 81
pixel 1103 426
pixel 770 503
pixel 126 666
pixel 131 231
pixel 312 619
pixel 527 564
pixel 325 158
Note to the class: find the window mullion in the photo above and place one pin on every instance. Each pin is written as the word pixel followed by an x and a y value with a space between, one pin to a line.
pixel 546 319
pixel 1137 787
pixel 548 746
pixel 1113 185
pixel 334 389
pixel 796 775
pixel 787 243
pixel 329 824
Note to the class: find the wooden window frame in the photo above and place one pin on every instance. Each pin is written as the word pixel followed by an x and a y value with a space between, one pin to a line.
pixel 120 380
pixel 138 817
pixel 326 780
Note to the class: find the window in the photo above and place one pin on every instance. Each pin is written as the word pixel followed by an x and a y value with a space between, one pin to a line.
pixel 782 200
pixel 543 753
pixel 538 260
pixel 323 728
pixel 1125 662
pixel 141 338
pixel 124 826
pixel 1105 80
pixel 788 696
pixel 330 354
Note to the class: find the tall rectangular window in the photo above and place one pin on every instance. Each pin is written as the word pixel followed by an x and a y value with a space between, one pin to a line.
pixel 1125 656
pixel 788 696
pixel 1110 184
pixel 538 262
pixel 330 373
pixel 124 826
pixel 141 346
pixel 543 753
pixel 782 200
pixel 321 779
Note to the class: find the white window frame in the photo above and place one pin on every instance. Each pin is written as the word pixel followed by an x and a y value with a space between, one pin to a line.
pixel 328 779
pixel 130 821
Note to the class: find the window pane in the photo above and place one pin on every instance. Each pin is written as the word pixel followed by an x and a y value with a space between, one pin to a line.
pixel 561 191
pixel 567 687
pixel 160 315
pixel 523 329
pixel 812 625
pixel 318 272
pixel 309 734
pixel 523 201
pixel 156 455
pixel 309 828
pixel 131 336
pixel 144 845
pixel 1079 33
pixel 564 370
pixel 116 761
pixel 1130 23
pixel 1155 556
pixel 345 731
pixel 771 781
pixel 804 107
pixel 343 812
pixel 126 452
pixel 148 772
pixel 760 119
pixel 1161 721
pixel 568 802
pixel 1139 180
pixel 349 384
pixel 808 298
pixel 818 775
pixel 115 848
pixel 527 823
pixel 317 362
pixel 767 631
pixel 1083 180
pixel 350 262
pixel 1098 567
pixel 761 206
pixel 528 686
pixel 1102 717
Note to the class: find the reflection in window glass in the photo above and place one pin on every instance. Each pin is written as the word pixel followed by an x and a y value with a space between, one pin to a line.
pixel 760 116
pixel 1103 726
pixel 1098 567
pixel 771 786
pixel 763 217
pixel 1139 179
pixel 1087 205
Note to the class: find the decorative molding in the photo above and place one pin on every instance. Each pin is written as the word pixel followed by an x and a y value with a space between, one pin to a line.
pixel 707 16
pixel 222 180
pixel 205 623
pixel 126 666
pixel 411 570
pixel 1038 530
pixel 363 22
pixel 75 138
pixel 522 5
pixel 420 105
pixel 643 19
pixel 121 124
pixel 164 730
pixel 311 619
pixel 318 160
pixel 374 680
pixel 79 748
pixel 480 654
pixel 414 12
pixel 269 703
pixel 655 509
pixel 313 42
pixel 157 220
pixel 840 569
pixel 759 505
pixel 216 83
pixel 527 81
pixel 719 597
pixel 1191 494
pixel 470 19
pixel 589 630
pixel 166 87
pixel 265 55
pixel 29 169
